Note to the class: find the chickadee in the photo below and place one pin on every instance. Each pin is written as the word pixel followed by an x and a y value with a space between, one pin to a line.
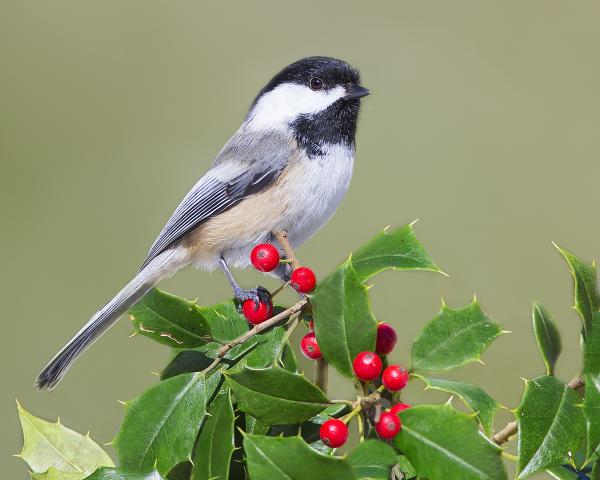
pixel 286 168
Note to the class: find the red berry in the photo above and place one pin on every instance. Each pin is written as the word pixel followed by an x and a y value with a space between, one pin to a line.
pixel 264 257
pixel 334 433
pixel 257 315
pixel 399 407
pixel 367 366
pixel 311 325
pixel 303 280
pixel 388 425
pixel 310 347
pixel 386 338
pixel 394 378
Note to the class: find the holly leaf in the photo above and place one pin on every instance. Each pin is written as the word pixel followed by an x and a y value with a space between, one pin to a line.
pixel 587 297
pixel 405 467
pixel 118 474
pixel 255 426
pixel 591 373
pixel 215 444
pixel 186 361
pixel 170 320
pixel 270 346
pixel 258 351
pixel 547 337
pixel 551 425
pixel 54 474
pixel 562 473
pixel 372 459
pixel 286 458
pixel 344 322
pixel 224 320
pixel 275 396
pixel 473 396
pixel 441 443
pixel 453 338
pixel 396 249
pixel 48 445
pixel 161 425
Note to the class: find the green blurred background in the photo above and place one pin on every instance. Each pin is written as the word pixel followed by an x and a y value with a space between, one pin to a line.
pixel 484 123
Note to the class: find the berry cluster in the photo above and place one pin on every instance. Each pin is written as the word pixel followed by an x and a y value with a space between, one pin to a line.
pixel 368 367
pixel 265 258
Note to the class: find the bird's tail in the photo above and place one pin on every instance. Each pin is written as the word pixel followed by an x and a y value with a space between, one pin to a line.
pixel 163 265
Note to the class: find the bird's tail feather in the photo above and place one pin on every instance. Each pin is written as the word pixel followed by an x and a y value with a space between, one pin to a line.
pixel 160 267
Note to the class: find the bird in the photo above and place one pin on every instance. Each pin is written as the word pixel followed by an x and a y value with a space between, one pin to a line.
pixel 287 167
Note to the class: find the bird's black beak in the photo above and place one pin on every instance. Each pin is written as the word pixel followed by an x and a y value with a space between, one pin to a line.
pixel 356 91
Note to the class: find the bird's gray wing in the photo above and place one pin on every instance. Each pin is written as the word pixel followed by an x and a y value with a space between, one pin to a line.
pixel 243 168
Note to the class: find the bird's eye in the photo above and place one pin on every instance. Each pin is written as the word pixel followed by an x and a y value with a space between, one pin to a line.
pixel 316 83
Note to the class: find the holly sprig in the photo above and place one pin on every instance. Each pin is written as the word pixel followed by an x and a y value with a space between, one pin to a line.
pixel 232 403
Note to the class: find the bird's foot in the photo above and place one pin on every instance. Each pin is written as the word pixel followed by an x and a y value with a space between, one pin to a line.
pixel 257 295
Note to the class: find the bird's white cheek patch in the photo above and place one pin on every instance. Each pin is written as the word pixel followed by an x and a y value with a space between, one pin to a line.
pixel 276 109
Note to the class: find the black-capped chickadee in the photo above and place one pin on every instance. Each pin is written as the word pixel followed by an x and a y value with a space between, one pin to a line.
pixel 286 168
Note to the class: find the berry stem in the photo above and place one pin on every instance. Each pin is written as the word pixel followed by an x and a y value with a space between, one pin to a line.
pixel 353 413
pixel 279 289
pixel 361 429
pixel 293 323
pixel 282 238
pixel 345 402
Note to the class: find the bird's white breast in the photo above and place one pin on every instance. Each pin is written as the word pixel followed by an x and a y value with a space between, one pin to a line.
pixel 319 187
pixel 303 198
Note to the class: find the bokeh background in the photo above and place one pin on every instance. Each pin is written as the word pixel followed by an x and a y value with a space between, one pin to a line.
pixel 484 123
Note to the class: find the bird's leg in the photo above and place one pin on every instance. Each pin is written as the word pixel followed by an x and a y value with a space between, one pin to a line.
pixel 283 271
pixel 258 294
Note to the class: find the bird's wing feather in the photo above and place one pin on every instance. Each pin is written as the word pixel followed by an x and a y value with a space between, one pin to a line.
pixel 243 168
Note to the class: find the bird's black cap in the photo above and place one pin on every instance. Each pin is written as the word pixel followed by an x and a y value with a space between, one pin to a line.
pixel 331 71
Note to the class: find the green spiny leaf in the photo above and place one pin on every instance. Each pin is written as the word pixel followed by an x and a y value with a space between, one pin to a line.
pixel 224 320
pixel 587 297
pixel 551 425
pixel 372 459
pixel 442 443
pixel 591 371
pixel 118 474
pixel 405 467
pixel 215 444
pixel 255 426
pixel 51 445
pixel 54 474
pixel 161 425
pixel 397 249
pixel 474 397
pixel 186 361
pixel 279 458
pixel 170 320
pixel 275 396
pixel 344 322
pixel 453 338
pixel 547 337
pixel 562 473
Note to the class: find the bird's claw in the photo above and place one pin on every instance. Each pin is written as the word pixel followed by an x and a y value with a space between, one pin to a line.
pixel 257 295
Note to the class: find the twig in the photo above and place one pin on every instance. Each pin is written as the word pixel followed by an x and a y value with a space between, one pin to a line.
pixel 282 238
pixel 513 427
pixel 321 374
pixel 280 317
pixel 321 368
